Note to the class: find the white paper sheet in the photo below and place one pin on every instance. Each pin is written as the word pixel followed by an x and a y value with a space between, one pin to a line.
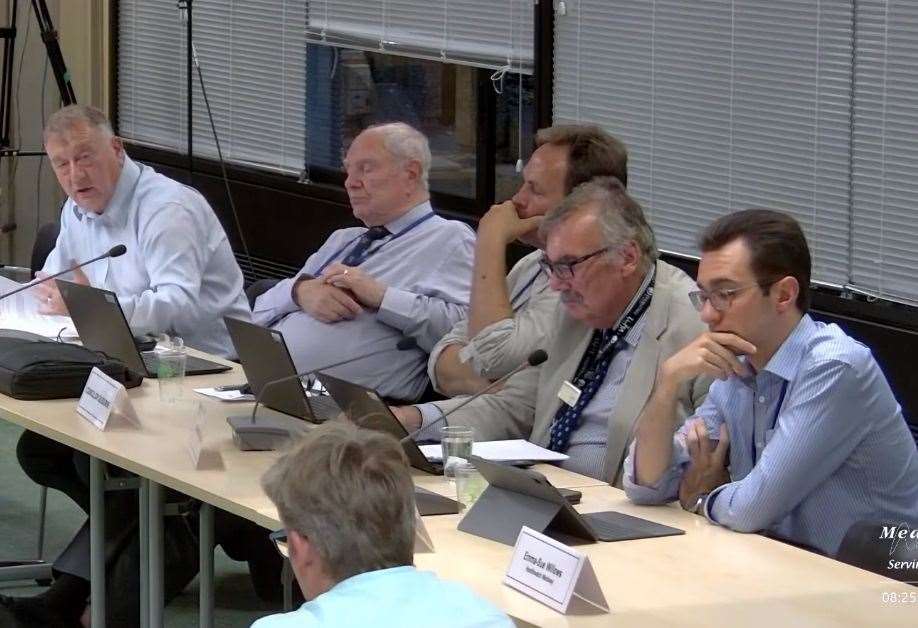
pixel 20 311
pixel 225 395
pixel 502 451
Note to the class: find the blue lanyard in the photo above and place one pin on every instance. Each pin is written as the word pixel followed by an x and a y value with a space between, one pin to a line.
pixel 370 252
pixel 523 289
pixel 774 422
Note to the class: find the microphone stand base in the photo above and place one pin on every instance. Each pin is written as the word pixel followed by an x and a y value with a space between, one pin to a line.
pixel 271 430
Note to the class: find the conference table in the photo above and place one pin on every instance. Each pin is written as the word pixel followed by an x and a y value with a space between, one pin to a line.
pixel 708 576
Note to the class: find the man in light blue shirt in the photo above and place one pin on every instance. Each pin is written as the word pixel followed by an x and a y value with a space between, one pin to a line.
pixel 408 272
pixel 802 436
pixel 179 274
pixel 346 499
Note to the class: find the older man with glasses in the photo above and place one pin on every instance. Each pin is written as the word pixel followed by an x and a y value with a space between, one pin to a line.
pixel 624 312
pixel 802 436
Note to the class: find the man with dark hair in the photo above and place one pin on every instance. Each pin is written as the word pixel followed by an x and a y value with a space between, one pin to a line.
pixel 346 500
pixel 624 311
pixel 802 436
pixel 511 315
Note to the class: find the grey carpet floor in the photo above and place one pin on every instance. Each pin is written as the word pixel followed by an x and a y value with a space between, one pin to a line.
pixel 236 603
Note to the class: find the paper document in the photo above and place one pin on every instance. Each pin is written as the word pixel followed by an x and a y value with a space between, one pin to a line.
pixel 20 311
pixel 502 451
pixel 225 395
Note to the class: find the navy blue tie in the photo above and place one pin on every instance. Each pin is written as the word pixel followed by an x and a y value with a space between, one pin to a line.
pixel 590 375
pixel 361 251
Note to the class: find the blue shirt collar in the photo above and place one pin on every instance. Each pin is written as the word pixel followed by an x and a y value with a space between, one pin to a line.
pixel 368 576
pixel 409 217
pixel 786 360
pixel 116 210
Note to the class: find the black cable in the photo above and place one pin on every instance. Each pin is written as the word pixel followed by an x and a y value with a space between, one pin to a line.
pixel 41 158
pixel 229 194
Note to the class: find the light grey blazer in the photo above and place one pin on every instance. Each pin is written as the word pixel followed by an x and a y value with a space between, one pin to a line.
pixel 526 405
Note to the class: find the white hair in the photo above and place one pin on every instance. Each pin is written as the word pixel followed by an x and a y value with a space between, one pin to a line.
pixel 63 120
pixel 406 143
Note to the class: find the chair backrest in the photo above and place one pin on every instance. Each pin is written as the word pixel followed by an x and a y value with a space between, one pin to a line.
pixel 257 288
pixel 45 240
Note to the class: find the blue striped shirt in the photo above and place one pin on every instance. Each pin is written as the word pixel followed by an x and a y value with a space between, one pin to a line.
pixel 817 442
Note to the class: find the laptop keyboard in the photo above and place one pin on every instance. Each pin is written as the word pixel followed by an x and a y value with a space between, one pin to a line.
pixel 192 363
pixel 608 529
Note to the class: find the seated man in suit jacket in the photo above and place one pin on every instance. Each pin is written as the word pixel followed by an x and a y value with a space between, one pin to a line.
pixel 624 312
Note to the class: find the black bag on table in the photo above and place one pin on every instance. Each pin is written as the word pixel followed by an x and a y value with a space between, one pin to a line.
pixel 33 367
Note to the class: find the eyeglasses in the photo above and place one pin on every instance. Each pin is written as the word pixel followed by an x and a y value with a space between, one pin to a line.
pixel 722 298
pixel 565 270
pixel 279 538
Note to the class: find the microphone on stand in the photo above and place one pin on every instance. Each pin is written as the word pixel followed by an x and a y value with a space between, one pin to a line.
pixel 267 434
pixel 116 251
pixel 535 358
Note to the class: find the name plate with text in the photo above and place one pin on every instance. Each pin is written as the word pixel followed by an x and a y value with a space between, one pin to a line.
pixel 104 399
pixel 552 573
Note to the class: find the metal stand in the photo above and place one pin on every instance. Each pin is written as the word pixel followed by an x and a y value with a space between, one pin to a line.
pixel 36 569
pixel 58 67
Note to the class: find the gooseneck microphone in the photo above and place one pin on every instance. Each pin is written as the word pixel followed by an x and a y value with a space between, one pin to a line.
pixel 535 358
pixel 116 251
pixel 404 344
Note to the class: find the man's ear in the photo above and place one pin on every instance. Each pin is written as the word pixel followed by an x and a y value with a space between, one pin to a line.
pixel 299 548
pixel 631 258
pixel 118 147
pixel 785 293
pixel 413 168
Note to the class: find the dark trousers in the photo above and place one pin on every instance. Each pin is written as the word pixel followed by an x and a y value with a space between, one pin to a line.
pixel 49 463
pixel 58 466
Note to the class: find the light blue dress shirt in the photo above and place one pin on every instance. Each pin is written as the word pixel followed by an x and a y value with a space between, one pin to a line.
pixel 400 597
pixel 178 275
pixel 428 274
pixel 817 442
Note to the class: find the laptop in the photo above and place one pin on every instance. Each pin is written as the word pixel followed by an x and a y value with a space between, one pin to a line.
pixel 102 326
pixel 265 358
pixel 365 408
pixel 518 497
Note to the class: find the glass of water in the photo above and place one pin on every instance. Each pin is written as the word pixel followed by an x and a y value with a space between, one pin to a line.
pixel 470 484
pixel 170 371
pixel 456 441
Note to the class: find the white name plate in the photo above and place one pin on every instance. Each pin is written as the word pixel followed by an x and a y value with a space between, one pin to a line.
pixel 195 444
pixel 423 544
pixel 104 400
pixel 552 573
pixel 202 456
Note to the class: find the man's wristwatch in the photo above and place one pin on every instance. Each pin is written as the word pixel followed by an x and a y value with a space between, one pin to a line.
pixel 698 505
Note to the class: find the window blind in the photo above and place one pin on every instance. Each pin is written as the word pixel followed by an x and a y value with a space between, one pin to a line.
pixel 481 33
pixel 885 165
pixel 723 105
pixel 253 58
pixel 151 74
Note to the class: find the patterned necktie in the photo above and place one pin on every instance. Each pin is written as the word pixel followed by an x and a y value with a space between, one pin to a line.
pixel 361 251
pixel 595 364
pixel 590 374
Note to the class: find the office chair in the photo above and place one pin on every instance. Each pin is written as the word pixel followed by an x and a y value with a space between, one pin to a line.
pixel 257 288
pixel 36 569
pixel 865 546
